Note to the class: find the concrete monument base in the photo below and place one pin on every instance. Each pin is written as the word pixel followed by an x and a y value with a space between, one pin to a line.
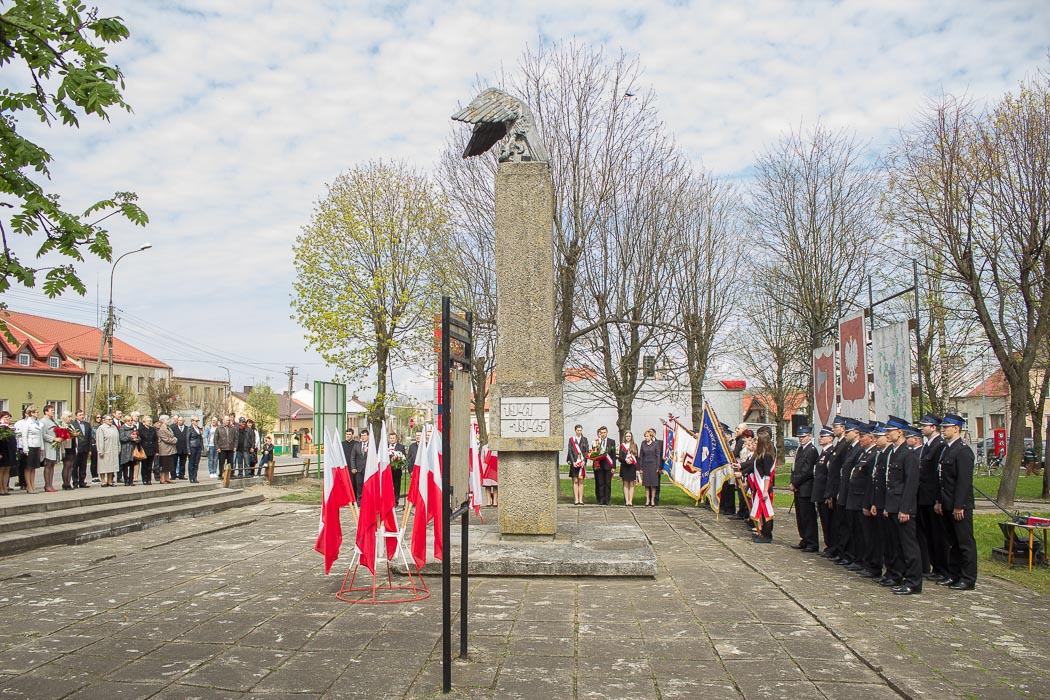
pixel 576 550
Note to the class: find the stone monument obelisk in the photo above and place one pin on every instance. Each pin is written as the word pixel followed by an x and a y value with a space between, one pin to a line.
pixel 526 402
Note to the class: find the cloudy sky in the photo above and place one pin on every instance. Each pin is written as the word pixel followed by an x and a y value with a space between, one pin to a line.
pixel 244 110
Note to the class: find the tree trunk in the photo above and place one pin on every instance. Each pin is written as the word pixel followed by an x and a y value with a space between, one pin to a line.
pixel 1015 445
pixel 1046 466
pixel 377 411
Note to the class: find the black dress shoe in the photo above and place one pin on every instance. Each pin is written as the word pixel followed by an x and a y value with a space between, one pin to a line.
pixel 809 550
pixel 962 586
pixel 947 581
pixel 761 540
pixel 906 590
pixel 83 486
pixel 854 566
pixel 798 546
pixel 867 574
pixel 889 582
pixel 828 555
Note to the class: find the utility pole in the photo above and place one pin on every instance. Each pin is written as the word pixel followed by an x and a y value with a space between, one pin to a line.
pixel 291 387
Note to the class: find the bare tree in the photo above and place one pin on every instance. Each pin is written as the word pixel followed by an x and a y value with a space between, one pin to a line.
pixel 814 215
pixel 704 277
pixel 977 187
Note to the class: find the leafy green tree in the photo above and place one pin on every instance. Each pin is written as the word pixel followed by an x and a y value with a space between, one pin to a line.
pixel 363 289
pixel 55 69
pixel 262 407
pixel 122 399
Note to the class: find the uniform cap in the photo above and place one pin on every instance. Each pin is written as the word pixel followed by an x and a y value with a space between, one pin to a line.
pixel 827 432
pixel 804 430
pixel 953 419
pixel 930 419
pixel 893 422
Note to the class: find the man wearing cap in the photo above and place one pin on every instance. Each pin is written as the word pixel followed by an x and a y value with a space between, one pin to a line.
pixel 902 486
pixel 844 533
pixel 930 526
pixel 955 506
pixel 875 497
pixel 838 449
pixel 820 485
pixel 802 487
pixel 863 542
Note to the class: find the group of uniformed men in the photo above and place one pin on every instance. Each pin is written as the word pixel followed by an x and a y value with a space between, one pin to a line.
pixel 894 502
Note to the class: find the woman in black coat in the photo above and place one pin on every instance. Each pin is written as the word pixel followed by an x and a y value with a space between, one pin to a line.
pixel 628 458
pixel 148 442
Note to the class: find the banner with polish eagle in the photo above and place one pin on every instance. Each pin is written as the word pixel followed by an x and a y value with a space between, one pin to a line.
pixel 338 492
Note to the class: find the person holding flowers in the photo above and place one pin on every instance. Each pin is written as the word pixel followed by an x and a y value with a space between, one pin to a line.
pixel 602 457
pixel 576 456
pixel 68 435
pixel 628 467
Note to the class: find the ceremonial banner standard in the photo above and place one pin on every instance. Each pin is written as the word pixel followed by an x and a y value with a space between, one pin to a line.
pixel 853 364
pixel 683 473
pixel 891 355
pixel 824 389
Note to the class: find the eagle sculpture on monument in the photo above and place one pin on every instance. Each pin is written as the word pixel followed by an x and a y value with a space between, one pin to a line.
pixel 495 116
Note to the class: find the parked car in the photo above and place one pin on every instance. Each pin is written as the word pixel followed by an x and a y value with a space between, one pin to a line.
pixel 790 447
pixel 986 447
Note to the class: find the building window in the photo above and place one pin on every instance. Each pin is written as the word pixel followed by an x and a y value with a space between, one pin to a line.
pixel 193 394
pixel 60 409
pixel 4 405
pixel 142 385
pixel 87 382
pixel 23 359
pixel 53 362
pixel 130 381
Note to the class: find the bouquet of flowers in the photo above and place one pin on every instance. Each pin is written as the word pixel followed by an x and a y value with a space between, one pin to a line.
pixel 61 435
pixel 630 459
pixel 6 433
pixel 597 453
pixel 74 433
pixel 397 459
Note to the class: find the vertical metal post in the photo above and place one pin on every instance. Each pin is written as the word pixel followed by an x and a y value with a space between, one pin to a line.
pixel 446 512
pixel 871 336
pixel 464 544
pixel 918 334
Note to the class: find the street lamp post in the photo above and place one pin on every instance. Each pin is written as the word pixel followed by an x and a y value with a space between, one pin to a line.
pixel 226 398
pixel 109 327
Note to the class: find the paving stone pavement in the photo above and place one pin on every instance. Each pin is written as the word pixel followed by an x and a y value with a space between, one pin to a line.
pixel 235 603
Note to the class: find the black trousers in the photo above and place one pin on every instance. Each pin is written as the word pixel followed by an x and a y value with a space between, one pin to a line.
pixel 806 521
pixel 910 557
pixel 94 462
pixel 225 458
pixel 842 524
pixel 933 546
pixel 891 545
pixel 146 470
pixel 127 472
pixel 857 537
pixel 195 462
pixel 602 485
pixel 727 499
pixel 872 543
pixel 962 548
pixel 358 480
pixel 656 494
pixel 181 461
pixel 80 469
pixel 824 515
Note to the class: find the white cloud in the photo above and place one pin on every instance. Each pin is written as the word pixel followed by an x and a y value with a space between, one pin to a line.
pixel 243 113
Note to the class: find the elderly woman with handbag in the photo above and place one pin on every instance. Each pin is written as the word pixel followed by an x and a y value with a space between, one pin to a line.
pixel 129 440
pixel 107 442
pixel 166 449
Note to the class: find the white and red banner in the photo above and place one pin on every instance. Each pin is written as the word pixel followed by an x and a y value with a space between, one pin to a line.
pixel 338 492
pixel 891 368
pixel 425 496
pixel 825 397
pixel 853 364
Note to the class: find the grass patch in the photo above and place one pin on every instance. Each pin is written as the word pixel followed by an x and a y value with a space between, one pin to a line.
pixel 301 497
pixel 670 495
pixel 988 535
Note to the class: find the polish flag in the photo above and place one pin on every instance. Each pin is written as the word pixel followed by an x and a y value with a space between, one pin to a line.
pixel 337 493
pixel 377 503
pixel 434 491
pixel 420 499
pixel 475 473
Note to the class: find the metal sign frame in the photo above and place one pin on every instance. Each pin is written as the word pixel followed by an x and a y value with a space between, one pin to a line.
pixel 329 412
pixel 457 349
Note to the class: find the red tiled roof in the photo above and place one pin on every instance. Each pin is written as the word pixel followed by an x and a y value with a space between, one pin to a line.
pixel 993 385
pixel 78 341
pixel 39 355
pixel 792 403
pixel 733 384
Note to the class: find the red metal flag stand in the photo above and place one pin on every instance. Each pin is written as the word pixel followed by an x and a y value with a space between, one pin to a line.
pixel 379 593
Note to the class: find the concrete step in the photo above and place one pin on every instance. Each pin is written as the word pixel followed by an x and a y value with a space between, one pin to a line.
pixel 97 522
pixel 100 508
pixel 20 503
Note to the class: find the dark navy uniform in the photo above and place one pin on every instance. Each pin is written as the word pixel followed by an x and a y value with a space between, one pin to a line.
pixel 902 486
pixel 956 478
pixel 805 512
pixel 862 541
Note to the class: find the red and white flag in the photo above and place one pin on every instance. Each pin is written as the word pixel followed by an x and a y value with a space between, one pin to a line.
pixel 419 497
pixel 377 503
pixel 475 473
pixel 337 493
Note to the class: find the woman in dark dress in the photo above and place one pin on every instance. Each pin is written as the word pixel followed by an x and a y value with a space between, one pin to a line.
pixel 8 451
pixel 761 465
pixel 148 442
pixel 650 453
pixel 628 467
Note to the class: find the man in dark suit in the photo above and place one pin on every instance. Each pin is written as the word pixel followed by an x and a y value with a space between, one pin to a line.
pixel 930 526
pixel 348 451
pixel 394 446
pixel 875 499
pixel 358 460
pixel 955 506
pixel 82 445
pixel 820 485
pixel 837 452
pixel 802 487
pixel 845 538
pixel 857 506
pixel 603 467
pixel 182 447
pixel 902 487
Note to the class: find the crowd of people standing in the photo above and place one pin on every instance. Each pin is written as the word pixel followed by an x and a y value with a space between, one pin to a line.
pixel 118 449
pixel 600 458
